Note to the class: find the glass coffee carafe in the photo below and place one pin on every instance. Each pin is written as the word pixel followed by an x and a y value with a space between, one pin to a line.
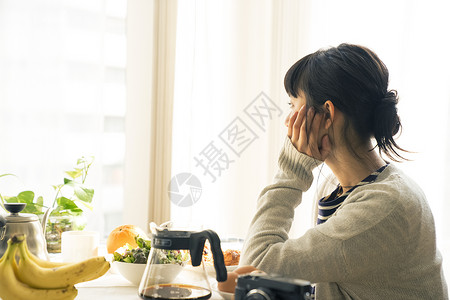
pixel 175 268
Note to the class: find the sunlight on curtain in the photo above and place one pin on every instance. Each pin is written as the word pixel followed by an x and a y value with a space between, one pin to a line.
pixel 230 51
pixel 62 91
pixel 221 69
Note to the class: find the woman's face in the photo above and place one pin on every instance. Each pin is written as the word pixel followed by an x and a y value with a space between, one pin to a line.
pixel 295 105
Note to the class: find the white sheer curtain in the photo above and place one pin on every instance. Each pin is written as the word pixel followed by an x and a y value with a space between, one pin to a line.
pixel 230 51
pixel 151 28
pixel 224 61
pixel 62 96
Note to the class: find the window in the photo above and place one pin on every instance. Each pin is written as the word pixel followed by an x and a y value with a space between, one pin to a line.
pixel 62 96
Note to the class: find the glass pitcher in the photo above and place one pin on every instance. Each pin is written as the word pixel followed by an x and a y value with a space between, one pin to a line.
pixel 175 268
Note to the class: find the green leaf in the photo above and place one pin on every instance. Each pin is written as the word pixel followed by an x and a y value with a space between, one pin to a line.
pixel 88 160
pixel 117 256
pixel 67 181
pixel 75 174
pixel 9 199
pixel 80 192
pixel 56 187
pixel 26 197
pixel 8 174
pixel 86 204
pixel 83 193
pixel 76 211
pixel 30 208
pixel 129 259
pixel 58 211
pixel 66 203
pixel 40 201
pixel 33 208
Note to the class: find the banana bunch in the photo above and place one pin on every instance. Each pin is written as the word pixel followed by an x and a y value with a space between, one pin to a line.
pixel 30 277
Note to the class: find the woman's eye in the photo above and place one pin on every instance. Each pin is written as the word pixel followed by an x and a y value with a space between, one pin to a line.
pixel 290 105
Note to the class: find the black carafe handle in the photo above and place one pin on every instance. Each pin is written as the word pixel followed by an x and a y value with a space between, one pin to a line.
pixel 196 245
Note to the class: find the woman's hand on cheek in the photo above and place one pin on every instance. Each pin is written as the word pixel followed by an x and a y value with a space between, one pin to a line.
pixel 304 132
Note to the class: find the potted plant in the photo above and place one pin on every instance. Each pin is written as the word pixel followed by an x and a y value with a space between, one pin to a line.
pixel 66 211
pixel 34 206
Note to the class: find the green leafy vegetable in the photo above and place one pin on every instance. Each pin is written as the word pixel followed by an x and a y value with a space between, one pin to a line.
pixel 143 243
pixel 140 254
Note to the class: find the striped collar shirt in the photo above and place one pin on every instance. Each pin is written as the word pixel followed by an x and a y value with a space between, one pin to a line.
pixel 329 204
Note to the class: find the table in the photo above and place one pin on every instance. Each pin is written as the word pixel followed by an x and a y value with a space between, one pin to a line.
pixel 113 286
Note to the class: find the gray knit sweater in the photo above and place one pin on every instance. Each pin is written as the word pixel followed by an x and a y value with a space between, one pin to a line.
pixel 380 244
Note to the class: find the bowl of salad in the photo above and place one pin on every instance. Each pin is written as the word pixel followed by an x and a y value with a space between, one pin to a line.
pixel 131 262
pixel 132 272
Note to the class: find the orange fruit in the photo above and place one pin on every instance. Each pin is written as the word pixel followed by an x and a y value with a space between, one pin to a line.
pixel 122 235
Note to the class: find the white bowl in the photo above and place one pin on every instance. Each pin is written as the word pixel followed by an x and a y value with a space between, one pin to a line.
pixel 132 272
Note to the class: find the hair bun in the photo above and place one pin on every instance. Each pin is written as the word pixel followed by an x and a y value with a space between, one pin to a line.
pixel 386 120
pixel 390 98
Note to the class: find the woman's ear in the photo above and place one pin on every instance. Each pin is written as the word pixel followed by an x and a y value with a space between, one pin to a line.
pixel 328 107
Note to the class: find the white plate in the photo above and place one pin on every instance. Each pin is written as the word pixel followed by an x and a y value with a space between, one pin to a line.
pixel 224 295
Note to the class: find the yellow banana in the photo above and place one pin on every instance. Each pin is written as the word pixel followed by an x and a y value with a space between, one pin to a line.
pixel 31 273
pixel 40 262
pixel 12 289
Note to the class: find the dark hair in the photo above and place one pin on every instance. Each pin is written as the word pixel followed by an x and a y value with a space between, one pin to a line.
pixel 356 81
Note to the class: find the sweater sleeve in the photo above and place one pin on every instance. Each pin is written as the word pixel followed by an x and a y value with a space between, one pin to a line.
pixel 267 245
pixel 325 253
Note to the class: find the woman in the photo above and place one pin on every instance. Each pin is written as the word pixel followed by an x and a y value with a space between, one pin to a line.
pixel 375 237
